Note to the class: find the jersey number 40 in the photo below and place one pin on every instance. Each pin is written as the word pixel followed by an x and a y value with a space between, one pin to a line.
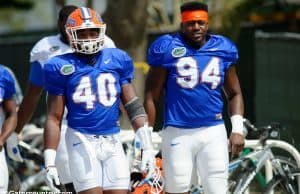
pixel 106 89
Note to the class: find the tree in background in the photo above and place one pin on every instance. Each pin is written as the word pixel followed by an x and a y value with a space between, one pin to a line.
pixel 130 22
pixel 18 4
pixel 126 24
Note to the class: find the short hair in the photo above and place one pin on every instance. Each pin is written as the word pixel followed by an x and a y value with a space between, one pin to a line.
pixel 65 11
pixel 193 5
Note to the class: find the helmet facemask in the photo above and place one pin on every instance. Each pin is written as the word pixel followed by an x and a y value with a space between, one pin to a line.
pixel 156 182
pixel 87 46
pixel 151 183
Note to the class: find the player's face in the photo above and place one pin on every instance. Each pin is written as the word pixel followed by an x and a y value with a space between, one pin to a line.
pixel 90 33
pixel 195 31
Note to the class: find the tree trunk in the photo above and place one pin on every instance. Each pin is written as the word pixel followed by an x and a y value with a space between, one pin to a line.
pixel 126 25
pixel 126 22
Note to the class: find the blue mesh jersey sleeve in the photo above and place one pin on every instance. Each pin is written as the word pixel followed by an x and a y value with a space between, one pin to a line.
pixel 19 93
pixel 36 74
pixel 53 78
pixel 158 49
pixel 7 84
pixel 233 55
pixel 227 50
pixel 128 69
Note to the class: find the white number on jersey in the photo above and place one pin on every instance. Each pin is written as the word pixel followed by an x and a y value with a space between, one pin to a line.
pixel 106 90
pixel 83 93
pixel 211 73
pixel 188 72
pixel 187 69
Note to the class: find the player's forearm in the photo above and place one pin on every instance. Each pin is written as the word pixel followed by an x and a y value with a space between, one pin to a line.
pixel 26 110
pixel 51 133
pixel 236 105
pixel 151 112
pixel 8 125
pixel 150 108
pixel 139 122
pixel 155 83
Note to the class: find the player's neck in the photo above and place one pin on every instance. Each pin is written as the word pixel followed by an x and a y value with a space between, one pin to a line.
pixel 64 40
pixel 88 59
pixel 196 45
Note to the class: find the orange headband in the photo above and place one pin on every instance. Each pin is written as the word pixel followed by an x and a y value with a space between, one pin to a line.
pixel 187 16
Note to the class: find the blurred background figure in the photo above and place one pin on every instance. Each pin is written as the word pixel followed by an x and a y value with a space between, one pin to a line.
pixel 19 93
pixel 8 119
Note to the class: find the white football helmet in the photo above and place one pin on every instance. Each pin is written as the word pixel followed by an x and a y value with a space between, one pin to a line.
pixel 85 18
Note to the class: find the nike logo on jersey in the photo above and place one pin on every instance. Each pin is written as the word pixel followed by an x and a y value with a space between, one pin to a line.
pixel 75 144
pixel 174 144
pixel 107 61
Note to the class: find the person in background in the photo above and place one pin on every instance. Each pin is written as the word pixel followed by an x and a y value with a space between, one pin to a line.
pixel 19 93
pixel 192 68
pixel 91 83
pixel 8 120
pixel 42 51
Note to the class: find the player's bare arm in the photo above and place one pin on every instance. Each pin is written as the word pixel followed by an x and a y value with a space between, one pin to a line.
pixel 55 111
pixel 28 105
pixel 129 95
pixel 154 86
pixel 139 121
pixel 9 124
pixel 236 106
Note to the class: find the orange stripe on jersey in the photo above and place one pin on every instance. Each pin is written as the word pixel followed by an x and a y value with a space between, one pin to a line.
pixel 195 15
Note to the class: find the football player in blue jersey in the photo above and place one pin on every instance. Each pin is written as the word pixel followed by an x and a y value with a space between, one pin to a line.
pixel 192 67
pixel 8 120
pixel 43 50
pixel 91 83
pixel 19 93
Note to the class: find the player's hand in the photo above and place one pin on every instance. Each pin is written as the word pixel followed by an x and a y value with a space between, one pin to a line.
pixel 51 175
pixel 143 138
pixel 12 146
pixel 52 178
pixel 148 161
pixel 236 143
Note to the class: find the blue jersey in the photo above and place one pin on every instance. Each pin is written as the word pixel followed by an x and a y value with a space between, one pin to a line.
pixel 7 84
pixel 46 48
pixel 7 90
pixel 92 93
pixel 193 91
